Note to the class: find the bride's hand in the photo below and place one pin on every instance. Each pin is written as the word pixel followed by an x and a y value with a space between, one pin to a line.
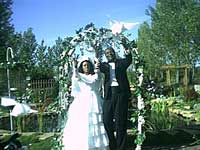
pixel 96 63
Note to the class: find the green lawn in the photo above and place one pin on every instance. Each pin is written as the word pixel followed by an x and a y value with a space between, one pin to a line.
pixel 45 141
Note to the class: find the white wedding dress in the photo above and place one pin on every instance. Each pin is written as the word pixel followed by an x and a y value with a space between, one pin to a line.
pixel 84 128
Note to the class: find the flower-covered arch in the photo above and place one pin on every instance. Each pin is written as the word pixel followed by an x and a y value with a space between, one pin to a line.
pixel 90 40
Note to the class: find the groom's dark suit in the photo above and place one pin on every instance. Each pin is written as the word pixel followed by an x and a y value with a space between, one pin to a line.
pixel 115 105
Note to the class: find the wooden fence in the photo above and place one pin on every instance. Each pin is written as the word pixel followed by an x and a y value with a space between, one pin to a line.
pixel 39 87
pixel 42 84
pixel 43 88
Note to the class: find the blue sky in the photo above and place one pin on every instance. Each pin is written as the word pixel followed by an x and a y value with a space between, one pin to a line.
pixel 51 19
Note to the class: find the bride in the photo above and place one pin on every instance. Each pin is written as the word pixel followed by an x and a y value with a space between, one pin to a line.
pixel 84 129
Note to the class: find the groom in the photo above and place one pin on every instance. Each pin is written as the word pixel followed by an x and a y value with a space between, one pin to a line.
pixel 116 95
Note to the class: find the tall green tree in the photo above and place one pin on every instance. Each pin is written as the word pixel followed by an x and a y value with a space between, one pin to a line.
pixel 42 67
pixel 191 31
pixel 41 55
pixel 51 59
pixel 6 28
pixel 175 29
pixel 17 40
pixel 146 49
pixel 59 48
pixel 27 49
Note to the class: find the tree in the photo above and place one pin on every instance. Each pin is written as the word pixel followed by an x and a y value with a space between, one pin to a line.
pixel 58 49
pixel 145 45
pixel 51 59
pixel 27 49
pixel 173 36
pixel 41 55
pixel 42 67
pixel 6 29
pixel 175 29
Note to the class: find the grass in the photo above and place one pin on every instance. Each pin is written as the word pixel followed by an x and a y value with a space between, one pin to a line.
pixel 45 141
pixel 34 140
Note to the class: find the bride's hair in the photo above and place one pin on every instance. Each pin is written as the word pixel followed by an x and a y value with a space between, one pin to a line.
pixel 91 71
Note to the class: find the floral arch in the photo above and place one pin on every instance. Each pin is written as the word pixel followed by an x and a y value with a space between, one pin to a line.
pixel 90 40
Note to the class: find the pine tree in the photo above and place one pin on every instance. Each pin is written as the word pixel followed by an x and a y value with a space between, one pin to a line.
pixel 6 28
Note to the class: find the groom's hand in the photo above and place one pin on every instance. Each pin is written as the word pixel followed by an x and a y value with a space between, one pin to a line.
pixel 125 43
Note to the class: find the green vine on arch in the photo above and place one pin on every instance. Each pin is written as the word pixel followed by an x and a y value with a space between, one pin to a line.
pixel 90 40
